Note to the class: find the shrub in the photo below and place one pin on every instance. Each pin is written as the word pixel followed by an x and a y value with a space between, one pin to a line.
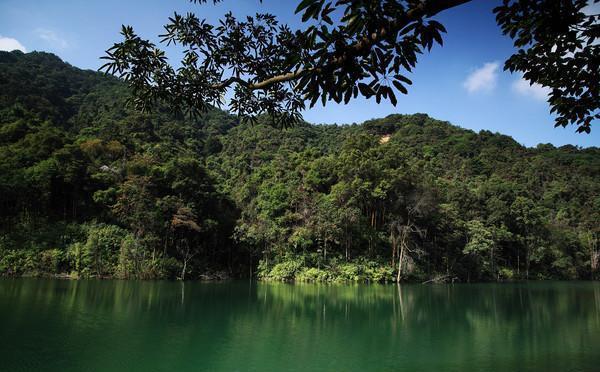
pixel 283 271
pixel 313 275
pixel 17 262
pixel 127 258
pixel 506 274
pixel 564 268
pixel 169 268
pixel 376 273
pixel 99 254
pixel 50 261
pixel 348 272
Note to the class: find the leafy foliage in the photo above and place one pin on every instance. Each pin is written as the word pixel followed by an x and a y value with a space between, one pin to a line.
pixel 93 188
pixel 350 48
pixel 558 48
pixel 103 183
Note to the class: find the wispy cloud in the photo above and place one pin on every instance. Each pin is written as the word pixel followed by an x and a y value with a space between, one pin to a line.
pixel 52 38
pixel 9 44
pixel 526 89
pixel 482 79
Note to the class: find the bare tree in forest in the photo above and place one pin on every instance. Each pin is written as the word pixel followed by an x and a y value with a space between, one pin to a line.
pixel 184 224
pixel 404 230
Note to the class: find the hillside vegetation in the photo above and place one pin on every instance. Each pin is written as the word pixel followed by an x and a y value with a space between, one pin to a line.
pixel 90 187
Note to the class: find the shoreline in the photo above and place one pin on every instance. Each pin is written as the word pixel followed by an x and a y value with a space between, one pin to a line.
pixel 212 279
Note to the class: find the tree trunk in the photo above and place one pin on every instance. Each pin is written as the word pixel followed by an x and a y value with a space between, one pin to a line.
pixel 594 254
pixel 527 262
pixel 518 263
pixel 250 266
pixel 393 238
pixel 346 238
pixel 184 268
pixel 186 258
pixel 400 259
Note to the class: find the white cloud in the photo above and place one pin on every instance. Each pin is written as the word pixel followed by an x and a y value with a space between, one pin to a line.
pixel 9 44
pixel 52 38
pixel 535 91
pixel 482 79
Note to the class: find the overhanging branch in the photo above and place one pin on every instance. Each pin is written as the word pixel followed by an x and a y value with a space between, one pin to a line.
pixel 424 9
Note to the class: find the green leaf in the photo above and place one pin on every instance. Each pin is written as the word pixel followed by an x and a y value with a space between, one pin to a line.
pixel 400 87
pixel 303 5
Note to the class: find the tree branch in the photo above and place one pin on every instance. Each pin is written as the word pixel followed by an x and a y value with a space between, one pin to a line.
pixel 265 84
pixel 427 8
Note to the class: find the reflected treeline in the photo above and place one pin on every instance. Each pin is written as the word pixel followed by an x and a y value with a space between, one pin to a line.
pixel 226 326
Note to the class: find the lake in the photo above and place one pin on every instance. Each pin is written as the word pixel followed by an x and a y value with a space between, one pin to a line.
pixel 60 325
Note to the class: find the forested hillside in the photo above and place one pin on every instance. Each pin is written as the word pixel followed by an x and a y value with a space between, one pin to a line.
pixel 90 187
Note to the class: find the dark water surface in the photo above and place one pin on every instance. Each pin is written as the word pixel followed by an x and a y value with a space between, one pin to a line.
pixel 55 325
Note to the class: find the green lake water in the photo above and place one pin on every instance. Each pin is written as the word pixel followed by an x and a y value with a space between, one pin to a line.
pixel 59 325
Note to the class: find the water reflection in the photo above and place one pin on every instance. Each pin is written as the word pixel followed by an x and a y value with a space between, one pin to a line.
pixel 127 325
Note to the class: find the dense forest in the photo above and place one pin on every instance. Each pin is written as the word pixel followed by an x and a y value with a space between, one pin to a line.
pixel 92 188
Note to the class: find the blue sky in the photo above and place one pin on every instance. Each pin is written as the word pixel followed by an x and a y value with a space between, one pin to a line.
pixel 462 82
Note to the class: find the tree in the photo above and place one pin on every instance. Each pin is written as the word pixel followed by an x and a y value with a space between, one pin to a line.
pixel 184 223
pixel 350 48
pixel 481 244
pixel 589 240
pixel 136 208
pixel 528 219
pixel 404 228
pixel 327 224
